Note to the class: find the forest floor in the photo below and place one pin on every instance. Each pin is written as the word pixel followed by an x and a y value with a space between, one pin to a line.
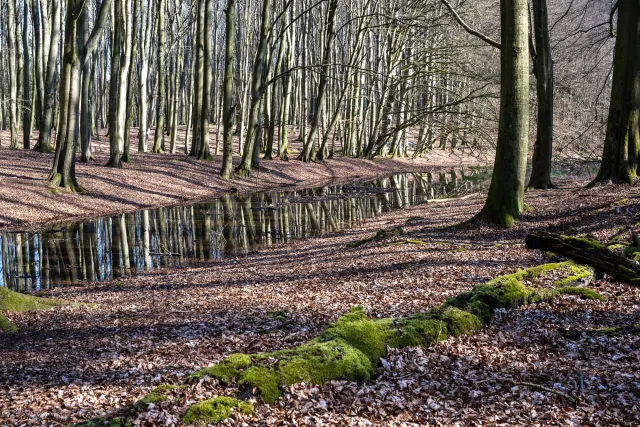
pixel 152 180
pixel 77 362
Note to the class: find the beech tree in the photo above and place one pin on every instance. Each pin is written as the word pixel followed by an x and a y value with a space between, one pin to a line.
pixel 505 200
pixel 620 161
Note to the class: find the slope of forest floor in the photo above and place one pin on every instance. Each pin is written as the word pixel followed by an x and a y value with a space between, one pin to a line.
pixel 152 180
pixel 76 363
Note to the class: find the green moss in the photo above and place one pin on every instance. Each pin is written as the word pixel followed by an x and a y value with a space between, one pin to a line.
pixel 584 293
pixel 367 336
pixel 582 242
pixel 461 322
pixel 215 410
pixel 226 370
pixel 158 395
pixel 632 252
pixel 265 380
pixel 420 330
pixel 619 203
pixel 17 302
pixel 319 361
pixel 6 325
pixel 616 246
pixel 576 273
pixel 278 315
pixel 411 242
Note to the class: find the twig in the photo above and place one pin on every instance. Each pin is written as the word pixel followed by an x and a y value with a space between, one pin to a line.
pixel 532 385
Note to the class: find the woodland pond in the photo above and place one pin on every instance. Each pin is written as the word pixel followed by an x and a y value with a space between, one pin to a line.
pixel 126 244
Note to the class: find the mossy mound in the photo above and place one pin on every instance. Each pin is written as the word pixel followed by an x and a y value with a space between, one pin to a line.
pixel 11 301
pixel 215 410
pixel 352 346
pixel 225 371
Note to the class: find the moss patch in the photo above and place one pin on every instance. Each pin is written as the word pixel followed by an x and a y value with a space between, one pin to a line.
pixel 263 379
pixel 225 371
pixel 584 293
pixel 352 346
pixel 632 252
pixel 6 325
pixel 16 302
pixel 576 273
pixel 215 410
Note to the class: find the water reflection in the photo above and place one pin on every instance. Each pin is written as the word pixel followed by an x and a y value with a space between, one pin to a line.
pixel 125 244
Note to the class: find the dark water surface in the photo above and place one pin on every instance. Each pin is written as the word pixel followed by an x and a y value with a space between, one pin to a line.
pixel 126 244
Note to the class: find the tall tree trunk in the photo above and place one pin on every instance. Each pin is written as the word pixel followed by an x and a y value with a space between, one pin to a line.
pixel 229 108
pixel 622 142
pixel 13 73
pixel 63 171
pixel 158 138
pixel 203 145
pixel 132 51
pixel 543 70
pixel 505 201
pixel 308 151
pixel 249 158
pixel 26 78
pixel 145 46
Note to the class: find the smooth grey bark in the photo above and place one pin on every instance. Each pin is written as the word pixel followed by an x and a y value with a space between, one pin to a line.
pixel 620 157
pixel 308 151
pixel 26 78
pixel 254 125
pixel 543 70
pixel 158 139
pixel 227 89
pixel 13 73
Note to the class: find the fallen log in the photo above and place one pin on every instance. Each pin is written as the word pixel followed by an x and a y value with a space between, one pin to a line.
pixel 590 252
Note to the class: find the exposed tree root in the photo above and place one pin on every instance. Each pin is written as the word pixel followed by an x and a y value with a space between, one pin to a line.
pixel 380 235
pixel 351 347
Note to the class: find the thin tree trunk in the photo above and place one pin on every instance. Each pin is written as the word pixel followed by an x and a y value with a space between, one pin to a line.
pixel 543 70
pixel 228 90
pixel 158 139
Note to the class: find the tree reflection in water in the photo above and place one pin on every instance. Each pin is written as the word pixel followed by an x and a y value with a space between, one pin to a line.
pixel 126 244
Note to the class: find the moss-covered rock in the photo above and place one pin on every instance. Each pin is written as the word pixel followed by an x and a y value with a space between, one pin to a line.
pixel 215 410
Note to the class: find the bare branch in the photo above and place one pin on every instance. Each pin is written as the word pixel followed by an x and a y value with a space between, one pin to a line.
pixel 468 29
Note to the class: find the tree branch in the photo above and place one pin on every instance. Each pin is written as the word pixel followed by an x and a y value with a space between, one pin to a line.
pixel 470 30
